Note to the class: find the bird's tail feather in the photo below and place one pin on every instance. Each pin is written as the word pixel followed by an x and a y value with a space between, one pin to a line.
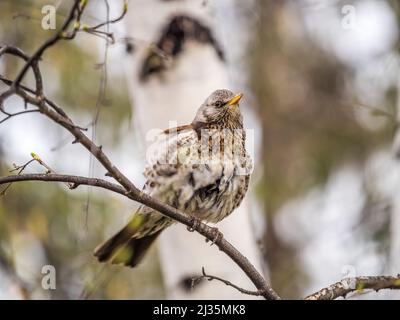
pixel 134 250
pixel 125 247
pixel 107 249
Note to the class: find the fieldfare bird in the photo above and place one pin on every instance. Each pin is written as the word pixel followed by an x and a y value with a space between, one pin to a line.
pixel 202 169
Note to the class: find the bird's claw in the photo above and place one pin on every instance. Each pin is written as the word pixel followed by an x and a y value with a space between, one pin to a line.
pixel 195 223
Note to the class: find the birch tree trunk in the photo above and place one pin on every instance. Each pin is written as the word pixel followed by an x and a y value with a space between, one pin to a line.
pixel 168 82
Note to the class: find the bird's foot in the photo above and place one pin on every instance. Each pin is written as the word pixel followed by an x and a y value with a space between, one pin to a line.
pixel 195 223
pixel 217 235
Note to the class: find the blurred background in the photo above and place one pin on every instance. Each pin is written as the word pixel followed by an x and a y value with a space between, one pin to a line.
pixel 321 83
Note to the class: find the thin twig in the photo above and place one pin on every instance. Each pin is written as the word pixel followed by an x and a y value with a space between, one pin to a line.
pixel 50 170
pixel 77 9
pixel 108 22
pixel 10 115
pixel 107 35
pixel 11 50
pixel 99 104
pixel 19 170
pixel 228 283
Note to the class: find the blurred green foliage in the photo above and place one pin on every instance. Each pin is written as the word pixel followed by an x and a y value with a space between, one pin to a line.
pixel 53 214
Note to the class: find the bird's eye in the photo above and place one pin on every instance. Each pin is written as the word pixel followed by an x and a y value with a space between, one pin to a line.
pixel 219 104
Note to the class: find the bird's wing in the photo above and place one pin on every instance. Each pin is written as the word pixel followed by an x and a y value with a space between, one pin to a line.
pixel 174 172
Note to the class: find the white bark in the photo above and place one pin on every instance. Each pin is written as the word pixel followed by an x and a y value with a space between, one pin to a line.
pixel 174 95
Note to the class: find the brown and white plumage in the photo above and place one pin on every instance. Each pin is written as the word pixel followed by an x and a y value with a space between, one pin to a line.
pixel 201 169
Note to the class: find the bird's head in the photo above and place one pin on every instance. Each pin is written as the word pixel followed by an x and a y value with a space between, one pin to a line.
pixel 221 110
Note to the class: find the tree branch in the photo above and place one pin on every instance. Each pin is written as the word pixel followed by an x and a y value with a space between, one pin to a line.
pixel 71 179
pixel 348 285
pixel 10 115
pixel 33 63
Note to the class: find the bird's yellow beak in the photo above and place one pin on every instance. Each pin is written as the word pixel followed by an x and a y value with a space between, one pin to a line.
pixel 235 99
